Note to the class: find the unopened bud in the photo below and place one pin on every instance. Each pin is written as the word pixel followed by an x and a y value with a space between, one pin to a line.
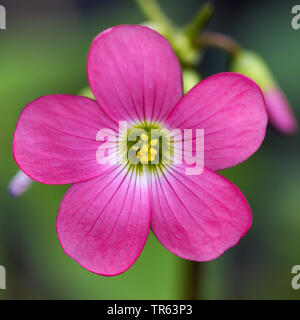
pixel 19 184
pixel 281 115
pixel 253 66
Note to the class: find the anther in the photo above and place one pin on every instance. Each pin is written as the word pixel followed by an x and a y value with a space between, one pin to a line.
pixel 144 137
pixel 153 151
pixel 144 160
pixel 144 148
pixel 153 142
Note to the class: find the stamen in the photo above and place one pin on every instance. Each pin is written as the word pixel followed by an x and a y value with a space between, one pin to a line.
pixel 144 160
pixel 153 151
pixel 144 137
pixel 147 153
pixel 153 142
pixel 152 158
pixel 144 149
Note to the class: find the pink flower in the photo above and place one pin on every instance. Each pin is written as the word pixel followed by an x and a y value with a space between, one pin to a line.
pixel 280 112
pixel 105 217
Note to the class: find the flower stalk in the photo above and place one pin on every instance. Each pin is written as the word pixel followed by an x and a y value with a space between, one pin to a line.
pixel 193 288
pixel 219 40
pixel 204 15
pixel 183 40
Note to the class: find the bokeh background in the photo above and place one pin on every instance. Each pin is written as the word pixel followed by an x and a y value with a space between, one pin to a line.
pixel 43 51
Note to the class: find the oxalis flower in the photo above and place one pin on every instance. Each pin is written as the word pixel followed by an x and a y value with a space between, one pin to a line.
pixel 105 217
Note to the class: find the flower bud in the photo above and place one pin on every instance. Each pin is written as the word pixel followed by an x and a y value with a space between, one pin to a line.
pixel 19 184
pixel 280 113
pixel 281 116
pixel 253 66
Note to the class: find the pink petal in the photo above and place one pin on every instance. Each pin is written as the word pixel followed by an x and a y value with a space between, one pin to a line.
pixel 134 73
pixel 280 113
pixel 198 217
pixel 230 108
pixel 55 139
pixel 103 224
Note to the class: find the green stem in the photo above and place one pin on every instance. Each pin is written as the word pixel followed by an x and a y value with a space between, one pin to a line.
pixel 154 13
pixel 202 18
pixel 218 40
pixel 192 290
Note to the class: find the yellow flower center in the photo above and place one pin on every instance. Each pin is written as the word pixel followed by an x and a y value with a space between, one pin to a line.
pixel 146 147
pixel 146 153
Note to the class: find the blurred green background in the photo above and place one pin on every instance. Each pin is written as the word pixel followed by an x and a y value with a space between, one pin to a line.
pixel 43 51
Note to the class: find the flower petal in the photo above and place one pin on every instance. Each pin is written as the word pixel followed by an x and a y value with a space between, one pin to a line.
pixel 103 224
pixel 280 113
pixel 231 110
pixel 197 217
pixel 134 74
pixel 55 139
